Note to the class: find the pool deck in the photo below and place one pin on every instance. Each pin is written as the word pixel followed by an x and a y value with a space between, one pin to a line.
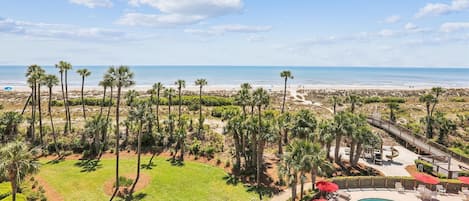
pixel 393 195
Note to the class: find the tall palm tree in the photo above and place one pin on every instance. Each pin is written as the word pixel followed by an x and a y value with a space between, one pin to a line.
pixel 169 93
pixel 16 162
pixel 393 107
pixel 83 73
pixel 63 67
pixel 428 99
pixel 158 87
pixel 34 74
pixel 340 127
pixel 139 114
pixel 296 161
pixel 326 136
pixel 261 99
pixel 285 125
pixel 200 83
pixel 304 125
pixel 107 82
pixel 319 164
pixel 180 84
pixel 123 78
pixel 50 81
pixel 286 74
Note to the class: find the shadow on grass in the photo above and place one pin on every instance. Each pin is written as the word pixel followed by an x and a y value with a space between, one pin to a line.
pixel 176 162
pixel 89 165
pixel 262 190
pixel 56 160
pixel 231 179
pixel 149 166
pixel 135 197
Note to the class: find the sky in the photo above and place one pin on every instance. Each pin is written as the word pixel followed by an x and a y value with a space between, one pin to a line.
pixel 423 33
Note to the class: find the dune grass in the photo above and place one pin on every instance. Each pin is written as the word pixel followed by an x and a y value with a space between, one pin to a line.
pixel 193 181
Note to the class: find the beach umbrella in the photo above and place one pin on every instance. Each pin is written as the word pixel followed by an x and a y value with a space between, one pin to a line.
pixel 326 186
pixel 8 88
pixel 319 199
pixel 425 178
pixel 464 179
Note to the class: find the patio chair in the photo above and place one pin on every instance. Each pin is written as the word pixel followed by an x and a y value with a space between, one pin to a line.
pixel 440 189
pixel 344 195
pixel 399 187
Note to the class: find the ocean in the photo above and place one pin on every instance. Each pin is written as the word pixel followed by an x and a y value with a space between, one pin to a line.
pixel 381 77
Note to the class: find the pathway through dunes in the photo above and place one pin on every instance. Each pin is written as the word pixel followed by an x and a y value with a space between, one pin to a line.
pixel 300 98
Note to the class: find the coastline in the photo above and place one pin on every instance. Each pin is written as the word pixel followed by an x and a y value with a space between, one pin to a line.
pixel 233 88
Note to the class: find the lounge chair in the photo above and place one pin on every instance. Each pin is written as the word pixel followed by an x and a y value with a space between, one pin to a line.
pixel 399 187
pixel 344 195
pixel 440 189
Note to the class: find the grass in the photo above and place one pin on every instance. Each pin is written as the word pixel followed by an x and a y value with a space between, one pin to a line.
pixel 193 181
pixel 459 151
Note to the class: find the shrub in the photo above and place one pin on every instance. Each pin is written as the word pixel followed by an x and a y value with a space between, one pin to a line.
pixel 458 99
pixel 225 111
pixel 195 147
pixel 427 167
pixel 464 174
pixel 208 152
pixel 188 100
pixel 124 181
pixel 88 102
pixel 377 99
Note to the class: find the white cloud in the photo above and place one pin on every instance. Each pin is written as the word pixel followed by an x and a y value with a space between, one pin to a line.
pixel 410 26
pixel 454 26
pixel 57 31
pixel 222 29
pixel 441 8
pixel 386 33
pixel 392 19
pixel 179 12
pixel 93 3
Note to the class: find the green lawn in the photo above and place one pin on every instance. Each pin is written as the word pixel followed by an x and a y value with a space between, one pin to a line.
pixel 193 181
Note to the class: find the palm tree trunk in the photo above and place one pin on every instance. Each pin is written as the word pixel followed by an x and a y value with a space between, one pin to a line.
pixel 158 110
pixel 65 102
pixel 357 154
pixel 103 102
pixel 33 113
pixel 179 106
pixel 41 134
pixel 14 189
pixel 27 103
pixel 259 150
pixel 139 148
pixel 280 150
pixel 68 104
pixel 82 96
pixel 302 185
pixel 328 149
pixel 284 95
pixel 352 150
pixel 52 123
pixel 117 140
pixel 104 136
pixel 293 187
pixel 314 174
pixel 200 113
pixel 337 148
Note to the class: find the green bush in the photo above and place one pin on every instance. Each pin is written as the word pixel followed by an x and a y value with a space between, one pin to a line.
pixel 188 100
pixel 427 167
pixel 464 174
pixel 225 111
pixel 373 99
pixel 88 102
pixel 377 99
pixel 458 99
pixel 208 152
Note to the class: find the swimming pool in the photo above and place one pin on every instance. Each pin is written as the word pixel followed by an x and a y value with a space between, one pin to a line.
pixel 374 199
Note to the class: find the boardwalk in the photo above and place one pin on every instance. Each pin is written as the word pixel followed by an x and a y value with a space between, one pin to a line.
pixel 421 144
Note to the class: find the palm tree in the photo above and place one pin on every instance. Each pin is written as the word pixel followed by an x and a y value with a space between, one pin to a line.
pixel 326 136
pixel 340 127
pixel 9 122
pixel 428 99
pixel 158 87
pixel 180 84
pixel 130 98
pixel 107 82
pixel 63 67
pixel 354 101
pixel 200 83
pixel 235 128
pixel 169 93
pixel 16 162
pixel 393 107
pixel 34 74
pixel 335 100
pixel 445 128
pixel 261 98
pixel 123 78
pixel 83 73
pixel 286 74
pixel 319 164
pixel 139 114
pixel 51 81
pixel 296 160
pixel 243 97
pixel 285 125
pixel 304 125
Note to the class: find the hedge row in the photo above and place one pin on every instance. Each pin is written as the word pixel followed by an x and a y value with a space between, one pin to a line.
pixel 377 99
pixel 427 167
pixel 186 100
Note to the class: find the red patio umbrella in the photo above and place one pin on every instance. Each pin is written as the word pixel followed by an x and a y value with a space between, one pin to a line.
pixel 327 186
pixel 464 179
pixel 319 199
pixel 425 178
